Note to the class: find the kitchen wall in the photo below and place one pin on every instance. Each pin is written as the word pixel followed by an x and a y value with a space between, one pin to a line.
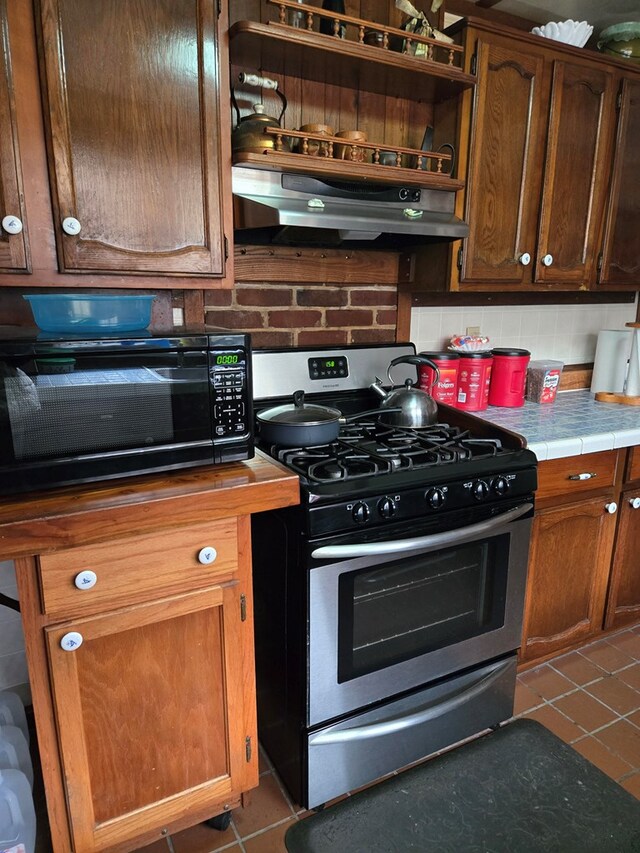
pixel 13 663
pixel 564 332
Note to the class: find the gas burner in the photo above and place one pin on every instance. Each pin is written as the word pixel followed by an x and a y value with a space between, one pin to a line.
pixel 336 461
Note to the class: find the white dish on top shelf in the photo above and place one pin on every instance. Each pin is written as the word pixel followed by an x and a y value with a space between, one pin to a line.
pixel 571 32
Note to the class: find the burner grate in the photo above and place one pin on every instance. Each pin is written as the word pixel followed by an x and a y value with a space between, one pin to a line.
pixel 368 448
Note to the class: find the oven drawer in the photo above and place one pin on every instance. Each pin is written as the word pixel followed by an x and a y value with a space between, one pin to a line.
pixel 112 574
pixel 371 744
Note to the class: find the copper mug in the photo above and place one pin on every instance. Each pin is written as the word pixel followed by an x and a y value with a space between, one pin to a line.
pixel 351 151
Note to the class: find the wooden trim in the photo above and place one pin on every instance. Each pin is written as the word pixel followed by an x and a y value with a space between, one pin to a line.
pixel 403 321
pixel 301 265
pixel 38 663
pixel 576 376
pixel 424 300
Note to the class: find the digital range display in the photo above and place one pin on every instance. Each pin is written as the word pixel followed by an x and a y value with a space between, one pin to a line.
pixel 328 367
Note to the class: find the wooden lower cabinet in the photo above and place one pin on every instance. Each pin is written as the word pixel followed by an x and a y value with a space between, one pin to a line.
pixel 623 603
pixel 568 574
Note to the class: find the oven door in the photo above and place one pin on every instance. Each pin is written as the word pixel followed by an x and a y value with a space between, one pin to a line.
pixel 388 617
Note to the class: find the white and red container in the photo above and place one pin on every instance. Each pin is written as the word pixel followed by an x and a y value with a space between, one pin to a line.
pixel 474 378
pixel 508 377
pixel 445 390
pixel 543 379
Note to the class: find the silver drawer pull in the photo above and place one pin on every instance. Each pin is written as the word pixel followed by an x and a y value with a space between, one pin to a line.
pixel 586 476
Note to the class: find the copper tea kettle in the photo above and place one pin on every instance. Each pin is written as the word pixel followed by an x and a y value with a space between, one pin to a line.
pixel 249 134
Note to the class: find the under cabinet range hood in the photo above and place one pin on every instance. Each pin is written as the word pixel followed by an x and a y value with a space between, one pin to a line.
pixel 292 209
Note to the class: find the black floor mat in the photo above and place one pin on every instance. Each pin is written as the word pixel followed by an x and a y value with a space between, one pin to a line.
pixel 519 789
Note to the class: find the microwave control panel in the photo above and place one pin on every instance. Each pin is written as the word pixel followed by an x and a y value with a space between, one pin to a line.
pixel 229 376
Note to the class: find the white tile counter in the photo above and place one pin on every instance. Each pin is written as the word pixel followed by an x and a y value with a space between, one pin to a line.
pixel 572 425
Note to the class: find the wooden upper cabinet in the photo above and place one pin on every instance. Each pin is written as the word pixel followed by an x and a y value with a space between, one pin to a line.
pixel 504 167
pixel 538 173
pixel 14 247
pixel 621 247
pixel 576 173
pixel 132 109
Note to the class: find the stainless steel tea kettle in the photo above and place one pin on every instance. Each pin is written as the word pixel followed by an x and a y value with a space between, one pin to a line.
pixel 413 407
pixel 248 134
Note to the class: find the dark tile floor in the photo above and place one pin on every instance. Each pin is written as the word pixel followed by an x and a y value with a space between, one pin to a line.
pixel 589 698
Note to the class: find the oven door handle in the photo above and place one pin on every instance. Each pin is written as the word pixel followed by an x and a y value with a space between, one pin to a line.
pixel 422 543
pixel 396 724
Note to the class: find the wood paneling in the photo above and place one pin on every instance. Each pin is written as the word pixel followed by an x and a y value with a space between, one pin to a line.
pixel 623 603
pixel 504 169
pixel 14 248
pixel 568 573
pixel 576 174
pixel 621 247
pixel 183 746
pixel 282 263
pixel 132 569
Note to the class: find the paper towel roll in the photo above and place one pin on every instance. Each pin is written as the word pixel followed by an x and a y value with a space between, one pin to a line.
pixel 610 365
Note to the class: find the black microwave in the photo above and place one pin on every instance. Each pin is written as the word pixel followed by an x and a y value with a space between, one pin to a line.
pixel 81 408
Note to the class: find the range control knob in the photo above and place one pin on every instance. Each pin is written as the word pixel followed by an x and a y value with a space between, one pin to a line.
pixel 386 507
pixel 500 486
pixel 436 498
pixel 360 512
pixel 480 490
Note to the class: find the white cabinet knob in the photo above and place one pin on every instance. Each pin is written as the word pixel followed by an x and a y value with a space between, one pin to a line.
pixel 611 508
pixel 207 555
pixel 635 503
pixel 547 260
pixel 71 641
pixel 85 579
pixel 525 259
pixel 71 226
pixel 12 225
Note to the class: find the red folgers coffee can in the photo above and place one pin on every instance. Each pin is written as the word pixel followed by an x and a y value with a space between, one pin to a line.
pixel 474 379
pixel 445 390
pixel 508 377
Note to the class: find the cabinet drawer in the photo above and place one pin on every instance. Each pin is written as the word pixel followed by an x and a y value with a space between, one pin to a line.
pixel 136 568
pixel 555 475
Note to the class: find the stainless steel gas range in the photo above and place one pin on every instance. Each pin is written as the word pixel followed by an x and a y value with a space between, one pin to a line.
pixel 389 604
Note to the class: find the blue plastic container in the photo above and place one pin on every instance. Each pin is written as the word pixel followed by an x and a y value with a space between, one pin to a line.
pixel 83 312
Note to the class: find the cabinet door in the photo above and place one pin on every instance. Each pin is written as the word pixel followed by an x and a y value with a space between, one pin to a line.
pixel 505 166
pixel 568 571
pixel 623 602
pixel 133 122
pixel 576 173
pixel 621 247
pixel 151 714
pixel 14 249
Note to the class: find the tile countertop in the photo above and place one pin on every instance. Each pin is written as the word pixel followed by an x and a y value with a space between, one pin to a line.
pixel 572 425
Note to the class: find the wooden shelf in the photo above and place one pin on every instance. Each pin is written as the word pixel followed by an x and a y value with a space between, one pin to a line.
pixel 340 62
pixel 326 167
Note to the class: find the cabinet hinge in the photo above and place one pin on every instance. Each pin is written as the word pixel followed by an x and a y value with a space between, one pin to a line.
pixel 474 64
pixel 219 4
pixel 243 608
pixel 247 748
pixel 619 101
pixel 460 258
pixel 599 268
pixel 226 248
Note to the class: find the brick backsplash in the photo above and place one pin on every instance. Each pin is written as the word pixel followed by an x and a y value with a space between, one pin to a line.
pixel 305 315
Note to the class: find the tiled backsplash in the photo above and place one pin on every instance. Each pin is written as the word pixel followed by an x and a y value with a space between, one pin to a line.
pixel 564 332
pixel 13 663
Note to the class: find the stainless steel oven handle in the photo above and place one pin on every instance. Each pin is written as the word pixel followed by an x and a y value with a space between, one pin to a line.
pixel 434 540
pixel 396 724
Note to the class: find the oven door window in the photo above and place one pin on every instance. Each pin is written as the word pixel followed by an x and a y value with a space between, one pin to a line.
pixel 418 604
pixel 53 407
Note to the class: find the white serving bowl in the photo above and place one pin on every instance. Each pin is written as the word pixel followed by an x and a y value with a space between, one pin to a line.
pixel 571 32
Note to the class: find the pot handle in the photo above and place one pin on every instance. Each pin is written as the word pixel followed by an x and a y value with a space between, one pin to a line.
pixel 298 399
pixel 413 359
